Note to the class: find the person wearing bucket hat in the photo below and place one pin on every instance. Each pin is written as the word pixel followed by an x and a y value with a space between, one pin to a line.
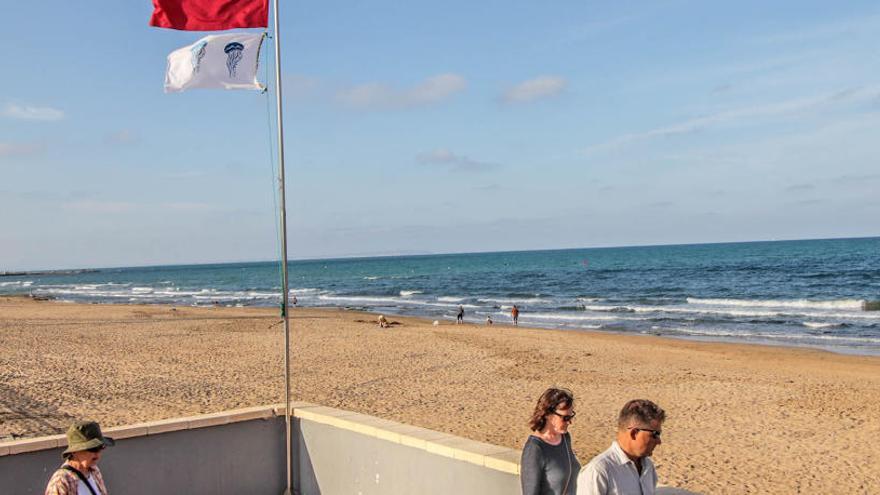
pixel 79 475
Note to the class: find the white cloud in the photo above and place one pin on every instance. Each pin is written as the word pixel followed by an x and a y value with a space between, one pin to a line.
pixel 779 109
pixel 859 179
pixel 865 24
pixel 197 207
pixel 123 136
pixel 437 88
pixel 727 75
pixel 300 87
pixel 800 187
pixel 19 149
pixel 440 155
pixel 535 89
pixel 382 96
pixel 32 113
pixel 104 206
pixel 596 27
pixel 367 95
pixel 94 206
pixel 458 163
pixel 185 175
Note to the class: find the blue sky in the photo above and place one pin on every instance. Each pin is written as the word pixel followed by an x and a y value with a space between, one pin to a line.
pixel 442 127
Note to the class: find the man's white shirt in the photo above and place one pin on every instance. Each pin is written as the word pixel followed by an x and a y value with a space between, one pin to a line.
pixel 613 473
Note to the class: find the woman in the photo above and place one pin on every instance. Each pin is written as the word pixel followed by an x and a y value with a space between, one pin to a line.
pixel 79 475
pixel 549 466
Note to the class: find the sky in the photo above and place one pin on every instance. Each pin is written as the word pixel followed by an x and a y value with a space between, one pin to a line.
pixel 430 127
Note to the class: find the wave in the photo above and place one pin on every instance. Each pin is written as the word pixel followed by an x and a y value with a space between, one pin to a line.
pixel 570 308
pixel 575 317
pixel 407 293
pixel 812 324
pixel 392 301
pixel 454 299
pixel 303 290
pixel 509 302
pixel 852 304
pixel 17 283
pixel 802 338
pixel 741 311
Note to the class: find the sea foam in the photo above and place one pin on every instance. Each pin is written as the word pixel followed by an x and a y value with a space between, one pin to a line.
pixel 852 304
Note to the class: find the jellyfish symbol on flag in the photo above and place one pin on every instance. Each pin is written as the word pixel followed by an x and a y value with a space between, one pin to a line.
pixel 198 53
pixel 234 52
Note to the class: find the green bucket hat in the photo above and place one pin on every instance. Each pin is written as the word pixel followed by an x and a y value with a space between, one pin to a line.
pixel 85 435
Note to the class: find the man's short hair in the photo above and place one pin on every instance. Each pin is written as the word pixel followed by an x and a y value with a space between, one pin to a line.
pixel 640 411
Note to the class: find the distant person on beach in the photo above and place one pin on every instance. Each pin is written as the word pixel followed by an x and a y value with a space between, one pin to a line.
pixel 548 465
pixel 459 318
pixel 489 320
pixel 514 313
pixel 626 467
pixel 293 300
pixel 79 475
pixel 383 322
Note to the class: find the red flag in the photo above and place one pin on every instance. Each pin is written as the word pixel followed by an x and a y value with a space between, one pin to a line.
pixel 210 15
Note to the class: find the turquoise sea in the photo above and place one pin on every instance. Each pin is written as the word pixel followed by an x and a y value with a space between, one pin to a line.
pixel 816 293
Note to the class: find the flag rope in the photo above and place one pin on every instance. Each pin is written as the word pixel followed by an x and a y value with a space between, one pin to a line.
pixel 272 160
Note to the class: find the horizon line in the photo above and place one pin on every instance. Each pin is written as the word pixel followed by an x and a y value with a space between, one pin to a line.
pixel 421 254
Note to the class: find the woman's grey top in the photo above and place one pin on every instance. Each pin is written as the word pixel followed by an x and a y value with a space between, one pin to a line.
pixel 549 469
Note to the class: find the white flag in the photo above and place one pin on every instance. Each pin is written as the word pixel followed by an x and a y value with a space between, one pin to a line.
pixel 224 61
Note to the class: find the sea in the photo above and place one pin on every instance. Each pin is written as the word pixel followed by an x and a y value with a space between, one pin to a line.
pixel 812 293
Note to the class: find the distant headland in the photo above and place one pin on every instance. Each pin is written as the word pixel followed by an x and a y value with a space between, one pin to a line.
pixel 48 272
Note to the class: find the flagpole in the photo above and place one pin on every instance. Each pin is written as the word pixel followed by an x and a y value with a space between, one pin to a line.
pixel 284 279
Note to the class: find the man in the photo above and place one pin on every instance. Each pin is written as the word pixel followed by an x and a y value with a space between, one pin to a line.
pixel 79 475
pixel 626 467
pixel 514 313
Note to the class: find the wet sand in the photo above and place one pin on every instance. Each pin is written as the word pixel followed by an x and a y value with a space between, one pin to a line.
pixel 742 418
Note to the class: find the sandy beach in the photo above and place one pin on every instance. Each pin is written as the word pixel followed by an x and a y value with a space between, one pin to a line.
pixel 742 418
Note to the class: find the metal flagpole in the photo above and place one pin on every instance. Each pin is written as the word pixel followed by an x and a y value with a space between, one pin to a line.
pixel 284 282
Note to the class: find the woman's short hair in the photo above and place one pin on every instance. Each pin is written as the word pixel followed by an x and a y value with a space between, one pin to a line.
pixel 549 401
pixel 641 411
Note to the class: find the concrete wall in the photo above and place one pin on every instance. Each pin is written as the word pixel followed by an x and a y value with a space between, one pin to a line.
pixel 242 452
pixel 340 452
pixel 235 452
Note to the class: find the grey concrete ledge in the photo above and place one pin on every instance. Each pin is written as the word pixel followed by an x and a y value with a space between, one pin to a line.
pixel 482 454
pixel 146 429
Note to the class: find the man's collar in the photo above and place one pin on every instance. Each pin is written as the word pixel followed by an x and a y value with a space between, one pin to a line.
pixel 619 454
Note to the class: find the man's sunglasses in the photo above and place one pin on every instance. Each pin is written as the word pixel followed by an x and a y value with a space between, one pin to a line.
pixel 565 417
pixel 654 433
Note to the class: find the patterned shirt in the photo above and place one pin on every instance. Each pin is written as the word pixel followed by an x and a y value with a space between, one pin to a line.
pixel 65 482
